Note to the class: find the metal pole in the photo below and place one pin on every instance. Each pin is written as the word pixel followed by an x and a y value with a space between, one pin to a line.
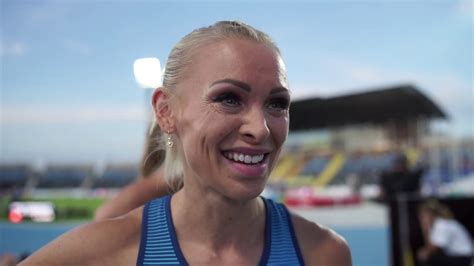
pixel 404 233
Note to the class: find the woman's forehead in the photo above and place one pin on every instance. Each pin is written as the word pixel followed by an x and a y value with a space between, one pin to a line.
pixel 239 59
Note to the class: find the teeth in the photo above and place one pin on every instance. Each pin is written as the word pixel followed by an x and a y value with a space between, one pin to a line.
pixel 244 158
pixel 247 159
pixel 257 159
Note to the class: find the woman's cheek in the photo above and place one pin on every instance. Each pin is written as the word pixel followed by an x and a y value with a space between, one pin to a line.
pixel 279 128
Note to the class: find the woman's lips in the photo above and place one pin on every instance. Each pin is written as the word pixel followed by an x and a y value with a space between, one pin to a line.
pixel 247 165
pixel 244 158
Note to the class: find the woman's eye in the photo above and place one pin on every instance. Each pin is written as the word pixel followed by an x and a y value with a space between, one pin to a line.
pixel 279 104
pixel 228 99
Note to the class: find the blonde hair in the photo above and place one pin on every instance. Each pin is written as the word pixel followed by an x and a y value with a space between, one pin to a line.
pixel 436 209
pixel 153 156
pixel 177 64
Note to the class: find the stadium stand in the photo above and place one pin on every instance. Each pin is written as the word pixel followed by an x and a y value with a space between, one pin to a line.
pixel 116 176
pixel 315 165
pixel 63 176
pixel 286 166
pixel 448 164
pixel 334 169
pixel 14 176
pixel 375 107
pixel 467 161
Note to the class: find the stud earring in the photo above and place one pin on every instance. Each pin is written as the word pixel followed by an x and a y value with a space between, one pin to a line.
pixel 169 141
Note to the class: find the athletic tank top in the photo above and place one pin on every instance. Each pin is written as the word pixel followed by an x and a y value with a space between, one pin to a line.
pixel 159 245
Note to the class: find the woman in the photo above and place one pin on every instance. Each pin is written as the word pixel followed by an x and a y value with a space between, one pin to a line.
pixel 447 242
pixel 224 110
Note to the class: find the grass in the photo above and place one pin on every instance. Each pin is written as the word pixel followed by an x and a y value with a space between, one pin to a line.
pixel 66 209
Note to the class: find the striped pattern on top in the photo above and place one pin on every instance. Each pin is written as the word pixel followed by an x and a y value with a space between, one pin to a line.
pixel 284 249
pixel 158 245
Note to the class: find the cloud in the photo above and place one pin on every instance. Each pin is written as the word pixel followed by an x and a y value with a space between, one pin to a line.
pixel 67 114
pixel 342 76
pixel 449 90
pixel 15 48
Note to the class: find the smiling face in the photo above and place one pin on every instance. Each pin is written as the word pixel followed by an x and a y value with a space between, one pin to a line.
pixel 231 117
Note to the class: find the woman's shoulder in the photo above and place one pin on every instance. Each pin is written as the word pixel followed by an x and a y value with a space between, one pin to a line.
pixel 320 245
pixel 108 242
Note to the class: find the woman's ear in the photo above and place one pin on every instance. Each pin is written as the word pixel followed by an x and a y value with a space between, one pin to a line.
pixel 162 108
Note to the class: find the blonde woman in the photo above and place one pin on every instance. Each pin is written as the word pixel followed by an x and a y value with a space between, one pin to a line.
pixel 224 112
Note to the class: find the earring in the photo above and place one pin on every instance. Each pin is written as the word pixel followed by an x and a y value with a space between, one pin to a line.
pixel 169 141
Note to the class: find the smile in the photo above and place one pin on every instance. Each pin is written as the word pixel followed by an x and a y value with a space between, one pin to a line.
pixel 244 158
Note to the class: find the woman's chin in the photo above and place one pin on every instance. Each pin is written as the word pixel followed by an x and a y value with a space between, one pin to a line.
pixel 245 193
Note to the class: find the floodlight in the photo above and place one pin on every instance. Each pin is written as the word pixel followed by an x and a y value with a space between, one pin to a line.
pixel 147 72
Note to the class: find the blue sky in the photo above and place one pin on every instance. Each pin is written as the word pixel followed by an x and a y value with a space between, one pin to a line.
pixel 68 93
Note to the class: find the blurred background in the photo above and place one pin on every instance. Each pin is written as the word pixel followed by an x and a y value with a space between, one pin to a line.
pixel 371 81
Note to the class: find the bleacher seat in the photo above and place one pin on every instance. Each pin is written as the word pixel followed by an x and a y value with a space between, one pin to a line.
pixel 351 166
pixel 467 161
pixel 315 165
pixel 13 176
pixel 63 176
pixel 366 166
pixel 116 177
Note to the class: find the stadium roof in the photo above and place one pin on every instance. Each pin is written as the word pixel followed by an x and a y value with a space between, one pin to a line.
pixel 398 103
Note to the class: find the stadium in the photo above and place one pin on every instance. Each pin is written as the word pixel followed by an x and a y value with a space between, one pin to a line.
pixel 380 118
pixel 338 147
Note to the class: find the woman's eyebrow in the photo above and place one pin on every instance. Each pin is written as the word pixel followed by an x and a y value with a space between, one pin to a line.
pixel 278 90
pixel 234 82
pixel 246 86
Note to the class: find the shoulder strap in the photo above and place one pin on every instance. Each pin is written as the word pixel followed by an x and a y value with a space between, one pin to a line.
pixel 156 246
pixel 284 248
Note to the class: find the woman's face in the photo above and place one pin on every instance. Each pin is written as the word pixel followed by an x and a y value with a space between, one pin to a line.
pixel 232 117
pixel 426 219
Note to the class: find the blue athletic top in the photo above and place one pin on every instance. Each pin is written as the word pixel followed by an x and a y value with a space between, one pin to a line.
pixel 159 245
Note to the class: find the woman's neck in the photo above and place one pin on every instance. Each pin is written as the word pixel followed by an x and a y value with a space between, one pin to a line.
pixel 217 222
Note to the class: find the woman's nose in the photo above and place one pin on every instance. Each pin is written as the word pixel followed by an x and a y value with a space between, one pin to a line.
pixel 254 128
